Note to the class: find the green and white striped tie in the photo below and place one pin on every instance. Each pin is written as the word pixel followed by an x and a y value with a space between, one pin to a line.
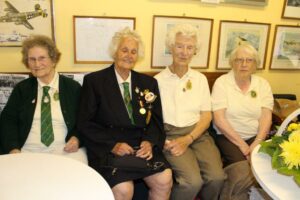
pixel 47 136
pixel 127 101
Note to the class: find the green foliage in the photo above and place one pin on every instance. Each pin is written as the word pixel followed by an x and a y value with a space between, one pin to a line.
pixel 272 148
pixel 297 178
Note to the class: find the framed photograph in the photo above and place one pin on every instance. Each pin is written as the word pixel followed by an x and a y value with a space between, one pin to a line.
pixel 248 2
pixel 21 18
pixel 161 57
pixel 286 48
pixel 7 83
pixel 234 33
pixel 92 36
pixel 291 9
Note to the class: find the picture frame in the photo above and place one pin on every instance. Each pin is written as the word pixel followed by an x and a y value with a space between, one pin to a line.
pixel 233 33
pixel 286 48
pixel 291 9
pixel 92 36
pixel 7 83
pixel 161 57
pixel 21 18
pixel 248 2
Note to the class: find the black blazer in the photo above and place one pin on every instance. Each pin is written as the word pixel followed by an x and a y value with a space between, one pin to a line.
pixel 103 119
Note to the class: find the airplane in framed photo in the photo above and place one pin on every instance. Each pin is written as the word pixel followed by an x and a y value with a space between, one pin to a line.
pixel 21 18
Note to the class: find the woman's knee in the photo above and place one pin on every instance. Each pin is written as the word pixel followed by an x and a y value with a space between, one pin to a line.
pixel 217 175
pixel 166 178
pixel 161 180
pixel 191 183
pixel 123 190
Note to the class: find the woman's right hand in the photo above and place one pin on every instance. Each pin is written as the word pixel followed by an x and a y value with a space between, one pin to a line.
pixel 122 148
pixel 245 149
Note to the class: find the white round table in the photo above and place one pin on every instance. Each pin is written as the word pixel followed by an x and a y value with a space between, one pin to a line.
pixel 278 186
pixel 36 176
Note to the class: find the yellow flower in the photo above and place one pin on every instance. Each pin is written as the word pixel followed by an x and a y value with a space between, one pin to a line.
pixel 293 126
pixel 291 152
pixel 295 137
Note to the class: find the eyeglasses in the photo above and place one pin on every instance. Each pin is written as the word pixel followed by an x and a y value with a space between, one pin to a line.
pixel 242 60
pixel 39 59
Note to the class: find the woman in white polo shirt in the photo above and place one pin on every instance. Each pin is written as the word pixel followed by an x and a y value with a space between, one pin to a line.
pixel 186 106
pixel 242 106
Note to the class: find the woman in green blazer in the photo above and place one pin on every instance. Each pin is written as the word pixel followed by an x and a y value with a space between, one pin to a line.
pixel 40 114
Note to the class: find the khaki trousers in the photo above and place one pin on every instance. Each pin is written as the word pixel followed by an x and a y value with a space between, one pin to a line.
pixel 199 168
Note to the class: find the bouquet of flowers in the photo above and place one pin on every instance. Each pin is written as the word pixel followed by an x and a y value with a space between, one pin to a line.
pixel 285 151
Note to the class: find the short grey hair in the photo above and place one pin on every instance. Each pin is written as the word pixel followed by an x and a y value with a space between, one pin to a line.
pixel 184 29
pixel 43 42
pixel 249 48
pixel 120 35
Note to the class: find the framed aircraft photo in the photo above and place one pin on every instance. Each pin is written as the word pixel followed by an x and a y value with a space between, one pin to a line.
pixel 21 18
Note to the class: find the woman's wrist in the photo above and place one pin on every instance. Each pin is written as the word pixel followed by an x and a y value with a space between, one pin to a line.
pixel 190 138
pixel 259 139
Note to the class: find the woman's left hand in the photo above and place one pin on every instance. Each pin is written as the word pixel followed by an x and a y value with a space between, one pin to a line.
pixel 254 144
pixel 72 145
pixel 145 150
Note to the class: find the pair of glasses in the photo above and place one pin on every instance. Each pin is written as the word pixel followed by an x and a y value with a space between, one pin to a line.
pixel 242 60
pixel 39 59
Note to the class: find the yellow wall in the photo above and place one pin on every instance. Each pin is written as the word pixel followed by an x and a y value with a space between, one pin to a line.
pixel 282 81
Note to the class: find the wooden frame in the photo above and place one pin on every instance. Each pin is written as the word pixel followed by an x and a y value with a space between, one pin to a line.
pixel 233 33
pixel 291 9
pixel 25 17
pixel 160 57
pixel 7 84
pixel 92 36
pixel 286 48
pixel 248 2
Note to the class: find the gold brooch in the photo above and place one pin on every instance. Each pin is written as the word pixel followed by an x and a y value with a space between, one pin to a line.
pixel 188 86
pixel 56 96
pixel 253 94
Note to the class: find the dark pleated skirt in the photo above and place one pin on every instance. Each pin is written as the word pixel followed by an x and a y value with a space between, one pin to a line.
pixel 116 176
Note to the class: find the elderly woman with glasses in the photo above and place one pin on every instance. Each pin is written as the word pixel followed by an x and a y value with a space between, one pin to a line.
pixel 41 112
pixel 242 106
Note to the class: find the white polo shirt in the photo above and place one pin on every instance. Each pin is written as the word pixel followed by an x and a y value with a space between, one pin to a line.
pixel 242 110
pixel 183 98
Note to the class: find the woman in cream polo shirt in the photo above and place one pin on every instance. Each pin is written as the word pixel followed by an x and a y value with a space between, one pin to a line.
pixel 242 106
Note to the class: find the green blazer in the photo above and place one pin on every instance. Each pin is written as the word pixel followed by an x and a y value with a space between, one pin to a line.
pixel 17 116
